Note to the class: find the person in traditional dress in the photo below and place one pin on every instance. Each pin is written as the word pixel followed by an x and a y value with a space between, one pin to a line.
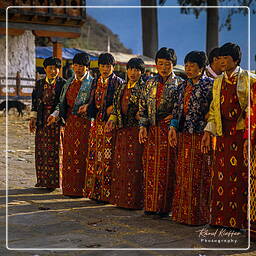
pixel 101 143
pixel 156 105
pixel 127 173
pixel 229 191
pixel 191 200
pixel 252 157
pixel 45 98
pixel 213 69
pixel 73 103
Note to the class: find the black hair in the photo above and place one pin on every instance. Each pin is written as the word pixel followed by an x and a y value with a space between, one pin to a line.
pixel 137 63
pixel 198 57
pixel 52 61
pixel 106 59
pixel 233 50
pixel 82 59
pixel 168 54
pixel 214 53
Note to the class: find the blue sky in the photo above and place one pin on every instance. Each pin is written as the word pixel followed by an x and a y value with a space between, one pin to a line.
pixel 182 32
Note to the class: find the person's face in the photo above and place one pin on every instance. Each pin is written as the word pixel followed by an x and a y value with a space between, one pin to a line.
pixel 52 71
pixel 164 67
pixel 106 70
pixel 133 74
pixel 216 65
pixel 227 63
pixel 79 70
pixel 192 70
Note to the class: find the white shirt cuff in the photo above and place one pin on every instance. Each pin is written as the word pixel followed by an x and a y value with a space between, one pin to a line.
pixel 55 113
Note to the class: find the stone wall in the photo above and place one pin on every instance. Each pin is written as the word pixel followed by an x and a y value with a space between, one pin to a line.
pixel 21 55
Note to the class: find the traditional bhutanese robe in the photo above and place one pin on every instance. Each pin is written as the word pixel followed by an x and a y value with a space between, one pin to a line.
pixel 127 173
pixel 191 200
pixel 252 161
pixel 101 144
pixel 75 142
pixel 45 97
pixel 158 158
pixel 230 174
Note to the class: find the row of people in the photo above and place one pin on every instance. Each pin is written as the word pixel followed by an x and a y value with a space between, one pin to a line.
pixel 148 146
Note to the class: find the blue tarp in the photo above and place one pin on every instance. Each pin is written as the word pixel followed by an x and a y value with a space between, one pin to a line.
pixel 43 52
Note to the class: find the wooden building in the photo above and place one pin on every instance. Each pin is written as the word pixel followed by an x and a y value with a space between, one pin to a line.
pixel 56 20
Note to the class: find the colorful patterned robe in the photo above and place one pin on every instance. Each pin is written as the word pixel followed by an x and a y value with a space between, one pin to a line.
pixel 127 173
pixel 75 142
pixel 191 200
pixel 159 158
pixel 229 192
pixel 45 98
pixel 99 161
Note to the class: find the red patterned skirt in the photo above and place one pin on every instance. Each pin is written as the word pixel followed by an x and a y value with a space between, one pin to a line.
pixel 127 173
pixel 229 183
pixel 159 170
pixel 99 162
pixel 191 200
pixel 47 146
pixel 75 148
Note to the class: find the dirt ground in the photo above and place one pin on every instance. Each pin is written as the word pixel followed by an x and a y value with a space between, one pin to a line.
pixel 43 223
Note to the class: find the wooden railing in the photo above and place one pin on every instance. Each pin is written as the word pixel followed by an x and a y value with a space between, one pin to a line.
pixel 16 87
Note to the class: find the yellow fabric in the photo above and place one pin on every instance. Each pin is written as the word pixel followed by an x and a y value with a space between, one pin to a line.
pixel 50 82
pixel 112 118
pixel 214 124
pixel 131 85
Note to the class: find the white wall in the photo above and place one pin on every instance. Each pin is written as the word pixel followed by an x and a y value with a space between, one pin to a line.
pixel 21 55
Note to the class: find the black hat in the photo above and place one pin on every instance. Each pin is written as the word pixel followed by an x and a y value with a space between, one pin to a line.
pixel 52 61
pixel 81 59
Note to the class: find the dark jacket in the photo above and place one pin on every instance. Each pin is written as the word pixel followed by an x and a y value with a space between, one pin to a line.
pixel 113 83
pixel 37 98
pixel 128 120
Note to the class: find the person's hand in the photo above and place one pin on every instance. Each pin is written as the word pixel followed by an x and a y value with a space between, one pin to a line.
pixel 245 150
pixel 82 109
pixel 51 119
pixel 172 137
pixel 109 110
pixel 137 117
pixel 205 143
pixel 109 126
pixel 167 119
pixel 143 135
pixel 32 124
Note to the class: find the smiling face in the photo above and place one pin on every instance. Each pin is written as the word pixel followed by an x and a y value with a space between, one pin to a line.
pixel 133 74
pixel 192 70
pixel 51 71
pixel 106 70
pixel 79 70
pixel 164 67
